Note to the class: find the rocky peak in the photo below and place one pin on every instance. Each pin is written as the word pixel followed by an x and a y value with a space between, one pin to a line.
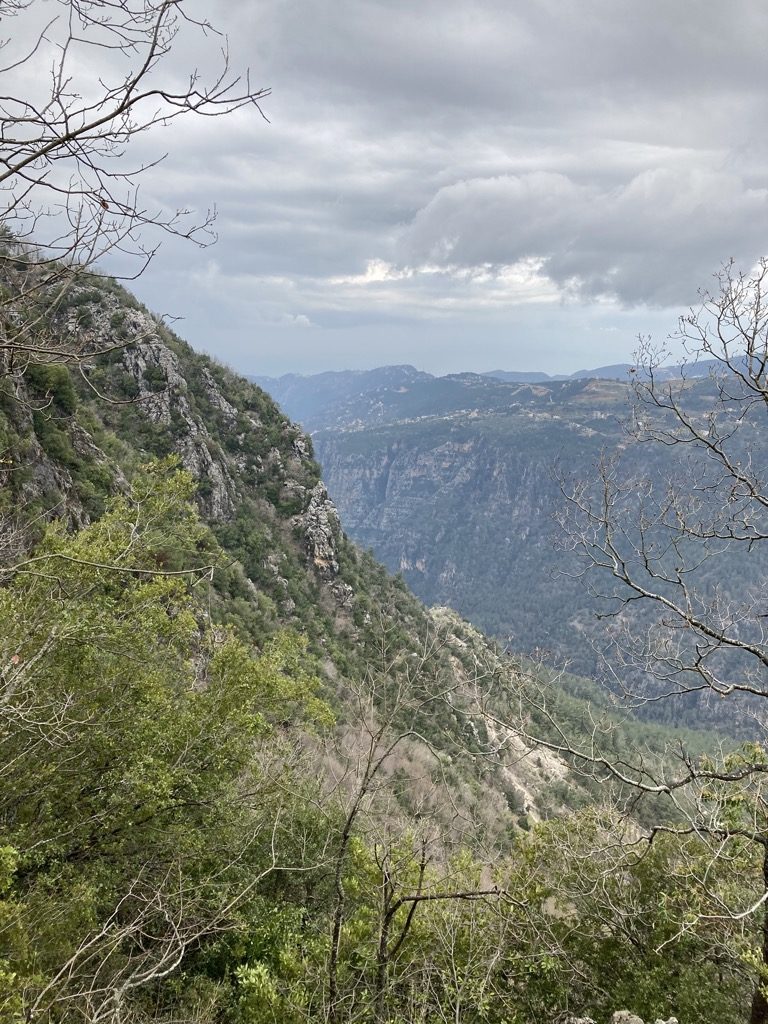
pixel 321 527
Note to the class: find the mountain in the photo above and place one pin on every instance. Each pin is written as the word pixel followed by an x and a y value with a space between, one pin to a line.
pixel 614 371
pixel 289 565
pixel 455 482
pixel 340 398
pixel 316 394
pixel 451 482
pixel 523 376
pixel 246 775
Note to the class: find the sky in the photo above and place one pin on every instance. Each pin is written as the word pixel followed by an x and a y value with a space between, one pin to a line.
pixel 464 184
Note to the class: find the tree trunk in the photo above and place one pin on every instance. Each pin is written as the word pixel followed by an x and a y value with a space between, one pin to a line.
pixel 759 1014
pixel 382 962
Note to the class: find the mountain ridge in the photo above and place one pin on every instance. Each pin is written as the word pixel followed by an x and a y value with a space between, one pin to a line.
pixel 318 400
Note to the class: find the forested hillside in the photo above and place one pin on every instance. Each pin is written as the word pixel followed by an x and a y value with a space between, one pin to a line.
pixel 246 776
pixel 229 734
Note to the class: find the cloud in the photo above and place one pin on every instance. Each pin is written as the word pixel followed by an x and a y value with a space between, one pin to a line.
pixel 654 239
pixel 464 166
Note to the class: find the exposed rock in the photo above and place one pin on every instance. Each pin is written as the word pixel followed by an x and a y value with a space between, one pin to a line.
pixel 274 458
pixel 620 1017
pixel 300 447
pixel 217 400
pixel 194 444
pixel 321 526
pixel 217 498
pixel 151 359
pixel 527 771
pixel 47 480
pixel 627 1017
pixel 342 592
pixel 272 563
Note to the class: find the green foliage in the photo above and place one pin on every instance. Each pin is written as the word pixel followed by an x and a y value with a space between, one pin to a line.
pixel 148 771
pixel 633 926
pixel 169 778
pixel 50 379
pixel 54 440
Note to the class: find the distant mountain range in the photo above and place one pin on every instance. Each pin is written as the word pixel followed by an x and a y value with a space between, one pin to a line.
pixel 315 399
pixel 454 482
pixel 313 394
pixel 616 371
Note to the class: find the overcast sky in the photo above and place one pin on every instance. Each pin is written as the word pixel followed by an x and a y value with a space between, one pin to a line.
pixel 468 185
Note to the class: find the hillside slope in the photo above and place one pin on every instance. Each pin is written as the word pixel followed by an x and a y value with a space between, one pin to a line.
pixel 80 438
pixel 239 755
pixel 457 483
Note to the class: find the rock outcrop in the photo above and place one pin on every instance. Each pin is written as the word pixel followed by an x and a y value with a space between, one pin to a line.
pixel 151 360
pixel 321 527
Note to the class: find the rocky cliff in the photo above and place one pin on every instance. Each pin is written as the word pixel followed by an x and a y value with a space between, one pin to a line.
pixel 464 505
pixel 620 1017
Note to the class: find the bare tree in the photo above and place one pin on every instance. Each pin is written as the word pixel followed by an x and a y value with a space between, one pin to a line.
pixel 393 692
pixel 386 784
pixel 81 80
pixel 671 538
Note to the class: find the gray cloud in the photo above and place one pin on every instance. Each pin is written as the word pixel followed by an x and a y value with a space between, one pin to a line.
pixel 468 169
pixel 653 239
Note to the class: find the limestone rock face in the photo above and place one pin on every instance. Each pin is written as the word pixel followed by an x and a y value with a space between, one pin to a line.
pixel 150 359
pixel 164 397
pixel 301 447
pixel 343 593
pixel 50 482
pixel 217 400
pixel 321 527
pixel 446 509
